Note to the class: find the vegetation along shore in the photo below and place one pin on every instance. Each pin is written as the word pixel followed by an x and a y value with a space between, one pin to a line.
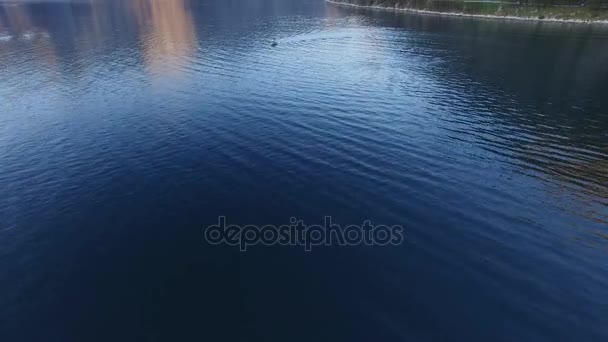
pixel 584 11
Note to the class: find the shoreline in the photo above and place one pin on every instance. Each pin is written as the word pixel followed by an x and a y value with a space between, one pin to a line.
pixel 470 15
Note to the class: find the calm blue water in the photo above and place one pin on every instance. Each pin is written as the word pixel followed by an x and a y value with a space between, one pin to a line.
pixel 127 127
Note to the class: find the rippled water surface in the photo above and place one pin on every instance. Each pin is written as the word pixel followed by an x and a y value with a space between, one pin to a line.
pixel 127 127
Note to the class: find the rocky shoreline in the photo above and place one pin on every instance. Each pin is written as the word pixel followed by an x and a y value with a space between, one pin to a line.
pixel 540 17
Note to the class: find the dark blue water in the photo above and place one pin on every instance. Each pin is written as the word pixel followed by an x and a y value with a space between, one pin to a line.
pixel 127 127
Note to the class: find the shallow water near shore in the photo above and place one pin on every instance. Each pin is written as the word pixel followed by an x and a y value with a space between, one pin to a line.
pixel 127 127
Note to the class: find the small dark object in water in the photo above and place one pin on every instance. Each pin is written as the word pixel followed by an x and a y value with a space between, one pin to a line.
pixel 541 17
pixel 274 43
